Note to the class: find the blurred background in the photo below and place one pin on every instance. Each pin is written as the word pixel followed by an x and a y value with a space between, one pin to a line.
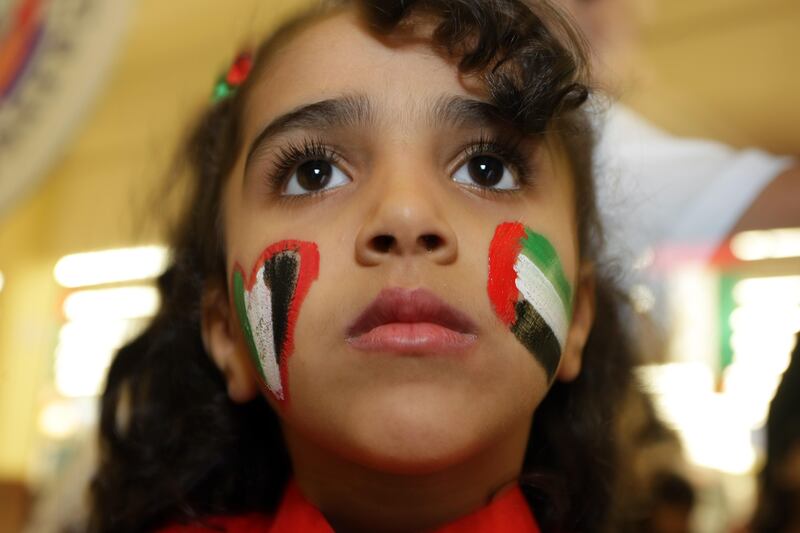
pixel 95 95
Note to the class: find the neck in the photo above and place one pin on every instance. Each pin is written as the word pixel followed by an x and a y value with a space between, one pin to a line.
pixel 354 498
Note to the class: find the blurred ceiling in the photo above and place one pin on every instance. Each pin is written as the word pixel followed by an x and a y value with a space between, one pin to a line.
pixel 726 69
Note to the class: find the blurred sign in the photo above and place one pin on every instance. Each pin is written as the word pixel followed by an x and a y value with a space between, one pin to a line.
pixel 53 56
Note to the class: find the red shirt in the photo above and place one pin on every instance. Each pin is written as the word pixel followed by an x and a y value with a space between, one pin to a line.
pixel 508 512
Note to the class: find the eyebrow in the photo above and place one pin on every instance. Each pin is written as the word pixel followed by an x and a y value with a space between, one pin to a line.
pixel 354 110
pixel 458 111
pixel 358 110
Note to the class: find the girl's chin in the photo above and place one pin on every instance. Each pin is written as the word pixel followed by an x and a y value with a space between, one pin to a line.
pixel 411 435
pixel 415 453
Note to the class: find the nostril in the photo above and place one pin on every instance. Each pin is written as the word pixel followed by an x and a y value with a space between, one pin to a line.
pixel 430 242
pixel 383 243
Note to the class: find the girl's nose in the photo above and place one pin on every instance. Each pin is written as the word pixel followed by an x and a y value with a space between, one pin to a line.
pixel 405 222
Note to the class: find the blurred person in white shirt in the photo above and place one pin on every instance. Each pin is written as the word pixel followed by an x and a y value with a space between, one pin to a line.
pixel 659 191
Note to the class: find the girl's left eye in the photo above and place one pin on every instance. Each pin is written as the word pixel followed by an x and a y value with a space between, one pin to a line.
pixel 486 172
pixel 313 176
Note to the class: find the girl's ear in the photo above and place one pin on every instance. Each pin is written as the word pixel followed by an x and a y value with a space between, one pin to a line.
pixel 218 328
pixel 582 319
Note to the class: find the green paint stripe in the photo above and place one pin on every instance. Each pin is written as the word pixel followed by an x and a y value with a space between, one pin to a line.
pixel 539 250
pixel 241 309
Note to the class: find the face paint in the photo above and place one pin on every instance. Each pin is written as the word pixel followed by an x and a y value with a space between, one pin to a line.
pixel 268 303
pixel 529 291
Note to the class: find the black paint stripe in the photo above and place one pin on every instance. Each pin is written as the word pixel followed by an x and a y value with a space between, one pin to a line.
pixel 280 275
pixel 534 333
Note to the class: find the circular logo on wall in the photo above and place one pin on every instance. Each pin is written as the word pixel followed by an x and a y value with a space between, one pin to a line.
pixel 54 54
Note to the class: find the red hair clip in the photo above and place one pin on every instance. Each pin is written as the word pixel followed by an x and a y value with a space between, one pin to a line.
pixel 231 80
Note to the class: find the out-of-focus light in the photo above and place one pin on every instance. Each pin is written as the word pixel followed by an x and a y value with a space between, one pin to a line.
pixel 645 259
pixel 760 341
pixel 770 349
pixel 763 335
pixel 120 302
pixel 714 439
pixel 643 298
pixel 58 420
pixel 99 322
pixel 84 352
pixel 712 432
pixel 694 379
pixel 110 266
pixel 691 325
pixel 766 244
pixel 766 321
pixel 2 281
pixel 769 292
pixel 677 388
pixel 749 388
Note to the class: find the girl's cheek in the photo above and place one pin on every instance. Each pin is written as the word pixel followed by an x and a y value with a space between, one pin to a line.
pixel 530 292
pixel 268 303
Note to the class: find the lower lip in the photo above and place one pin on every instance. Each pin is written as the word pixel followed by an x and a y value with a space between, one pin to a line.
pixel 413 338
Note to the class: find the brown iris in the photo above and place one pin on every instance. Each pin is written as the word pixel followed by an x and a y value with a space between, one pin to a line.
pixel 486 171
pixel 314 175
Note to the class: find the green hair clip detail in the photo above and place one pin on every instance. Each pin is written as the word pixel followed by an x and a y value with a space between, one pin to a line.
pixel 236 75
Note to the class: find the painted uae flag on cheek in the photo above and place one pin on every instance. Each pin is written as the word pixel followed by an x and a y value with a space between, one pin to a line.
pixel 268 303
pixel 529 291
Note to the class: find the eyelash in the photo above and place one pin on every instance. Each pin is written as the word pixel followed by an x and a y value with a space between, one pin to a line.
pixel 507 149
pixel 293 155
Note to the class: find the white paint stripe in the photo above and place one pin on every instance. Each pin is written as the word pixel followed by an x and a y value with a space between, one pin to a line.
pixel 537 289
pixel 259 313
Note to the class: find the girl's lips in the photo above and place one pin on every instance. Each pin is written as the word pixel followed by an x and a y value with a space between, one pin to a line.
pixel 411 321
pixel 412 337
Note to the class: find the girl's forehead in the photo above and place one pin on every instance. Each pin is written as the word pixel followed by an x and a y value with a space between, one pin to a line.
pixel 338 58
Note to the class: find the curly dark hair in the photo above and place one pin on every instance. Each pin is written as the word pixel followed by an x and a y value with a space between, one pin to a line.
pixel 175 448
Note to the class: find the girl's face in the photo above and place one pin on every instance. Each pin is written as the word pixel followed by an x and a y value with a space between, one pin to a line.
pixel 371 169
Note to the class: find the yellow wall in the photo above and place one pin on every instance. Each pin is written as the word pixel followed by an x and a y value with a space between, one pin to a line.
pixel 725 69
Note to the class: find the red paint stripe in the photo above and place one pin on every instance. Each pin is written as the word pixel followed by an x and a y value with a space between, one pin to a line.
pixel 503 251
pixel 309 270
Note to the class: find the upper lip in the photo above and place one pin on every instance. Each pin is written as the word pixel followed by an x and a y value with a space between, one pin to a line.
pixel 398 305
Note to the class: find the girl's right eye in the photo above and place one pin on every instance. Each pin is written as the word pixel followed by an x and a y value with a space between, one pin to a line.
pixel 315 176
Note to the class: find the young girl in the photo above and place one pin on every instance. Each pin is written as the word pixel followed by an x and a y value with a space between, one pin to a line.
pixel 383 312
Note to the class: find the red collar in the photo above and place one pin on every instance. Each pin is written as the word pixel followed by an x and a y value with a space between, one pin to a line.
pixel 507 513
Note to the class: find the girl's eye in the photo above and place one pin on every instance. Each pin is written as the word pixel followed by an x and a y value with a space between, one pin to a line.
pixel 486 171
pixel 314 176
